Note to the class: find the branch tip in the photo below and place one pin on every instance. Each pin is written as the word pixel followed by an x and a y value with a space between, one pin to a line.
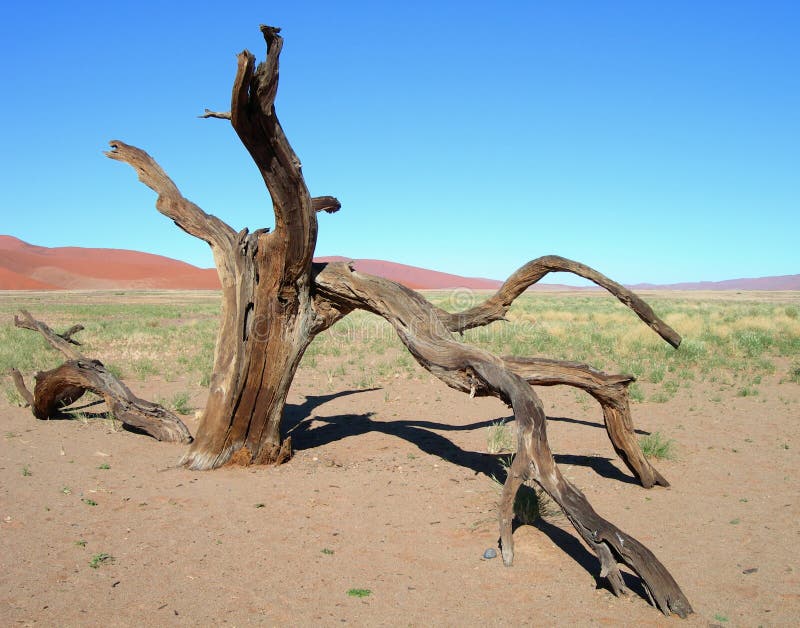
pixel 271 31
pixel 222 115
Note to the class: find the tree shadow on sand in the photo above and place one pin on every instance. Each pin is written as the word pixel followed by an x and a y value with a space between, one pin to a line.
pixel 298 420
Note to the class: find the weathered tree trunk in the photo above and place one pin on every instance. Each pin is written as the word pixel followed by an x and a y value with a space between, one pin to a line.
pixel 267 318
pixel 274 301
pixel 65 384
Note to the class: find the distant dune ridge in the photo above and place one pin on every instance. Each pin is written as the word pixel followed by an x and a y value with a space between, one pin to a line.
pixel 414 277
pixel 26 266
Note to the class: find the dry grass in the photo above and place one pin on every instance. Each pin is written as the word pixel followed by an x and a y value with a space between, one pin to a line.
pixel 730 340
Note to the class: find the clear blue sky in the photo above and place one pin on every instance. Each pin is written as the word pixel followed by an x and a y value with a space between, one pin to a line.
pixel 657 142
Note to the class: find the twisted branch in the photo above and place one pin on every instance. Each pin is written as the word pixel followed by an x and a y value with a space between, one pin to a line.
pixel 469 368
pixel 496 306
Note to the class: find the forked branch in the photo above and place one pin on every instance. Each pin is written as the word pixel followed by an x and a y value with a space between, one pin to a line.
pixel 255 122
pixel 610 391
pixel 59 342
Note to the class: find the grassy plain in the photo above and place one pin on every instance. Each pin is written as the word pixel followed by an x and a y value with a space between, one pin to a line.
pixel 730 340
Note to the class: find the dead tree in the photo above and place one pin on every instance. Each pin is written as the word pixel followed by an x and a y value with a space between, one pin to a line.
pixel 275 300
pixel 67 383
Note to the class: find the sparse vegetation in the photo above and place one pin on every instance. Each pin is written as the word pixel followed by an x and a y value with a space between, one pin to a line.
pixel 656 446
pixel 144 368
pixel 531 502
pixel 114 370
pixel 100 559
pixel 731 341
pixel 13 397
pixel 359 592
pixel 179 403
pixel 499 438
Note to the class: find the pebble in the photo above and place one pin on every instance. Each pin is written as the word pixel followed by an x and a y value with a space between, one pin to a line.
pixel 490 553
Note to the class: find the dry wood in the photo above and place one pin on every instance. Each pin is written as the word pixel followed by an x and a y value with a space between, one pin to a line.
pixel 65 384
pixel 267 316
pixel 476 371
pixel 274 301
pixel 496 306
pixel 611 392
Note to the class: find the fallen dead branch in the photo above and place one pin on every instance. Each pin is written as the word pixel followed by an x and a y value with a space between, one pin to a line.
pixel 57 388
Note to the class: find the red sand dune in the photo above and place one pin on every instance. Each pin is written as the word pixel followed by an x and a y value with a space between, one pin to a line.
pixel 9 280
pixel 414 277
pixel 25 266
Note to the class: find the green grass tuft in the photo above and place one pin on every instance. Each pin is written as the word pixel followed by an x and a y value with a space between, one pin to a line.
pixel 656 446
pixel 13 397
pixel 359 592
pixel 100 559
pixel 180 403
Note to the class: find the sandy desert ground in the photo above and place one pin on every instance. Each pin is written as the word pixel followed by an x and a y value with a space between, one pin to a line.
pixel 389 491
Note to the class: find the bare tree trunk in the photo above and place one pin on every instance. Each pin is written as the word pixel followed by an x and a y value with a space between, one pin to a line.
pixel 267 315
